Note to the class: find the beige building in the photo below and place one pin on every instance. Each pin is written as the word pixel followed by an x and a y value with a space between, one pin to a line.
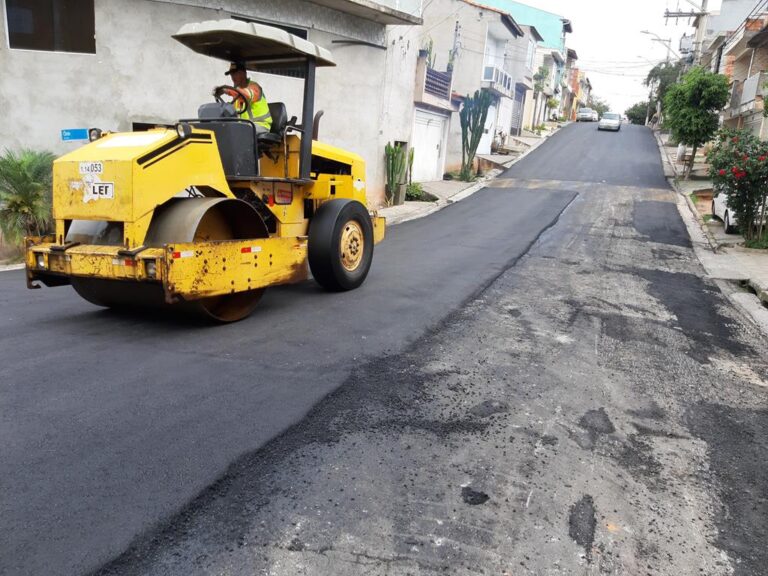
pixel 744 59
pixel 476 47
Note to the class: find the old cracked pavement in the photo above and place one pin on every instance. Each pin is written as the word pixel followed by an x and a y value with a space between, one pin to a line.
pixel 538 380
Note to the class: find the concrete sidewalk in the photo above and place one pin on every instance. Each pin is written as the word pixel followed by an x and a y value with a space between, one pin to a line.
pixel 4 267
pixel 723 256
pixel 449 191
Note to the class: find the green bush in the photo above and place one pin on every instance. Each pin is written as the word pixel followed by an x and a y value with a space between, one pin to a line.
pixel 415 192
pixel 25 194
pixel 738 165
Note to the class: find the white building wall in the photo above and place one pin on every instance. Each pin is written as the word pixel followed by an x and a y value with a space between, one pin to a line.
pixel 140 74
pixel 468 64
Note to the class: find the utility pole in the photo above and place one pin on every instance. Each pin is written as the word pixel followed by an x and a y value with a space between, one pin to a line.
pixel 699 12
pixel 698 43
pixel 648 108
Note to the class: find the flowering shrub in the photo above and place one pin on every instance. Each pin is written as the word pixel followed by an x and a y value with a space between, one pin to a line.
pixel 738 165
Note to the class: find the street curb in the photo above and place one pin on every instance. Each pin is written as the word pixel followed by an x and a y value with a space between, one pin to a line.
pixel 467 192
pixel 662 150
pixel 9 267
pixel 748 304
pixel 761 293
pixel 673 182
pixel 711 240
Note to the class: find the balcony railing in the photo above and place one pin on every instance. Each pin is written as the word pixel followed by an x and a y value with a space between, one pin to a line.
pixel 736 90
pixel 498 80
pixel 438 84
pixel 433 88
pixel 747 95
pixel 737 41
pixel 754 87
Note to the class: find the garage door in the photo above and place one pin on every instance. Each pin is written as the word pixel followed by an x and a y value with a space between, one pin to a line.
pixel 428 131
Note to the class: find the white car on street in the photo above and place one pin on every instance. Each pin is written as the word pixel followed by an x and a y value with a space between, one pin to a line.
pixel 610 121
pixel 586 115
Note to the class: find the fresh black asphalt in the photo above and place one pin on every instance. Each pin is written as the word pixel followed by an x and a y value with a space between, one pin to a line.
pixel 629 157
pixel 112 422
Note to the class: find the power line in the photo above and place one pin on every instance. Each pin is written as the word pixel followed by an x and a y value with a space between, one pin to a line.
pixel 759 7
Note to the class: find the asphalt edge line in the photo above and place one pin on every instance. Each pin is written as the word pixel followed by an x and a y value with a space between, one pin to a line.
pixel 469 191
pixel 511 263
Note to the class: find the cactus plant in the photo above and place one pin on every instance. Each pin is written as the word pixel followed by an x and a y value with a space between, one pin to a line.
pixel 411 152
pixel 395 171
pixel 473 115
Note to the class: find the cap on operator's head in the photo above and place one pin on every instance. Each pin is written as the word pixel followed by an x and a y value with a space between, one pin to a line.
pixel 234 67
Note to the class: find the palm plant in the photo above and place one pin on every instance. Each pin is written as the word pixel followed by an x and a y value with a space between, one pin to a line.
pixel 25 193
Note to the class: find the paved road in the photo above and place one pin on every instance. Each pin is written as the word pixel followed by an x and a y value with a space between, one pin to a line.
pixel 599 408
pixel 111 424
pixel 581 153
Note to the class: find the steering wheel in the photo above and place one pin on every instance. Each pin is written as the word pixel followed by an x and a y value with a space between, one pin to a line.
pixel 219 91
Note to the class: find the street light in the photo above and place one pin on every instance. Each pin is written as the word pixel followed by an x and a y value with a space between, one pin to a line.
pixel 666 41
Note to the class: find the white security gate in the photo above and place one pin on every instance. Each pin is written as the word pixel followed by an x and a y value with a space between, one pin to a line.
pixel 490 130
pixel 517 111
pixel 427 143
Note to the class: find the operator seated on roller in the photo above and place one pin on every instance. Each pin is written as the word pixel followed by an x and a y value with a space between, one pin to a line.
pixel 258 112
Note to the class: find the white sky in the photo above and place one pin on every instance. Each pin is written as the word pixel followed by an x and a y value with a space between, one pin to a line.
pixel 612 51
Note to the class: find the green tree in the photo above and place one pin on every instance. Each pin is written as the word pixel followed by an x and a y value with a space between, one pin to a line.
pixel 539 84
pixel 552 104
pixel 598 105
pixel 25 193
pixel 637 113
pixel 473 114
pixel 662 76
pixel 692 107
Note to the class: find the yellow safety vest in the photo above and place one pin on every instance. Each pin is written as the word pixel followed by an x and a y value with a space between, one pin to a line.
pixel 259 111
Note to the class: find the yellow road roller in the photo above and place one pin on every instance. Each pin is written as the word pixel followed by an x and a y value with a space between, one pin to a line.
pixel 204 214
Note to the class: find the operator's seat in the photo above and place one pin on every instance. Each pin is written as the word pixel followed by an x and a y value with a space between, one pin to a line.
pixel 276 135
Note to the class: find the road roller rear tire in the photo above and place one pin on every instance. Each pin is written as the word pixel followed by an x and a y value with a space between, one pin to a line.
pixel 340 247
